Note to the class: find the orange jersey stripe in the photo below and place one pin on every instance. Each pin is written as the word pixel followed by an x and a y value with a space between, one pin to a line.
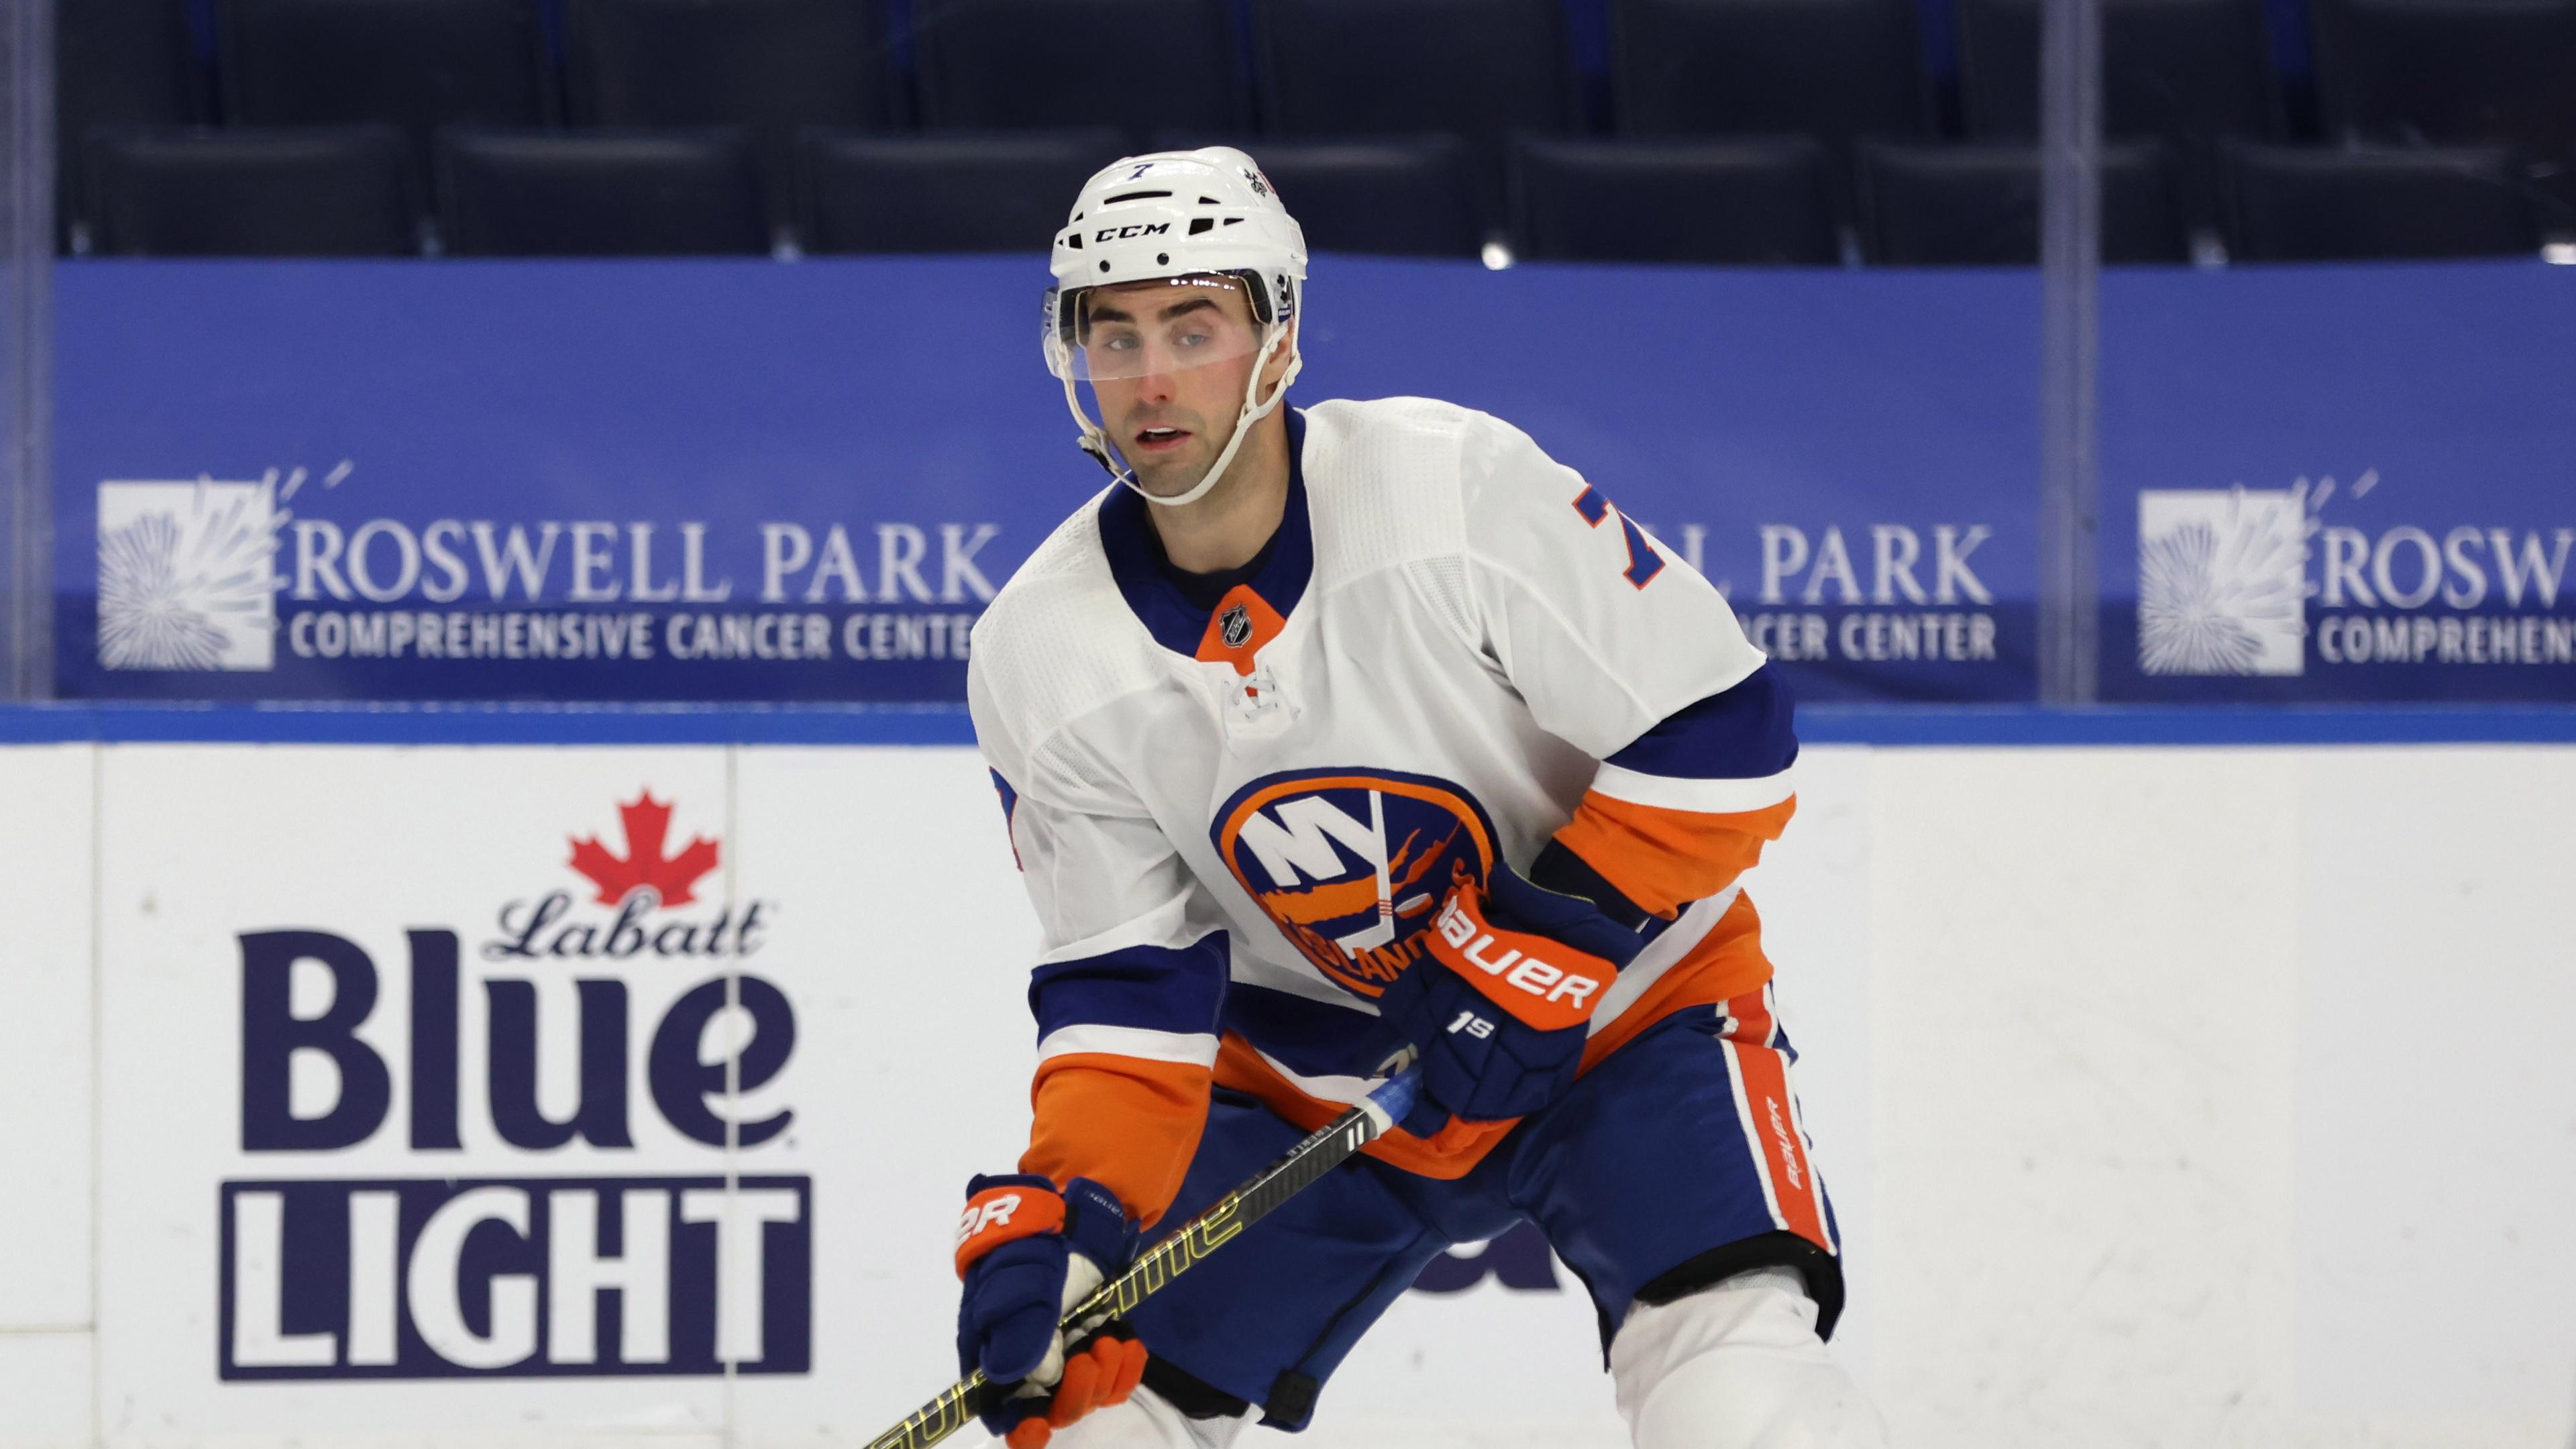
pixel 1726 964
pixel 1129 1124
pixel 1664 859
pixel 1448 1153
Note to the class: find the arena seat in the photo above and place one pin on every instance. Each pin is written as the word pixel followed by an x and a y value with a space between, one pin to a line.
pixel 2449 72
pixel 319 191
pixel 117 63
pixel 1979 205
pixel 773 65
pixel 1409 196
pixel 1839 70
pixel 770 65
pixel 642 193
pixel 1001 191
pixel 417 64
pixel 1480 68
pixel 1836 69
pixel 1742 201
pixel 2306 204
pixel 2188 71
pixel 1014 63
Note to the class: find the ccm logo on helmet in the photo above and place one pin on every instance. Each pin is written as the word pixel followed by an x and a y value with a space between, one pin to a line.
pixel 1121 233
pixel 1525 973
pixel 989 1213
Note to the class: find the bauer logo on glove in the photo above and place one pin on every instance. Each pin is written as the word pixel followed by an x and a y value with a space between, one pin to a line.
pixel 1002 1214
pixel 1544 958
pixel 1027 1253
pixel 1512 956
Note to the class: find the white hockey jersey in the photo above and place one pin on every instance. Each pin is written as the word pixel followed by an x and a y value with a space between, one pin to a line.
pixel 1236 816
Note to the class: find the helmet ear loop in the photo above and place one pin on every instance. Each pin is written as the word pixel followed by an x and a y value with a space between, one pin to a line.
pixel 1250 413
pixel 1094 439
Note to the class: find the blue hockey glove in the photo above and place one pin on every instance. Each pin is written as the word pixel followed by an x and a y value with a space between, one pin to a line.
pixel 1500 1005
pixel 1027 1253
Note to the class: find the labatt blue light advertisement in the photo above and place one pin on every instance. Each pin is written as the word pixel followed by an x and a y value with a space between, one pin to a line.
pixel 751 481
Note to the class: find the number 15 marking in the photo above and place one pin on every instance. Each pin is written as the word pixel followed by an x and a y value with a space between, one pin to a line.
pixel 1643 562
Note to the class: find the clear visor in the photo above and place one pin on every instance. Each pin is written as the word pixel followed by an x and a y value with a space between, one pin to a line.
pixel 1146 329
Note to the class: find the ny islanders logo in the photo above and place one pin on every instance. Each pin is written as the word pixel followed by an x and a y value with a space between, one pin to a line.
pixel 1352 864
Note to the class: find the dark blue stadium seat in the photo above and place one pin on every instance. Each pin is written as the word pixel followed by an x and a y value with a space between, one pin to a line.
pixel 1480 68
pixel 2188 71
pixel 2305 204
pixel 1000 191
pixel 536 193
pixel 313 192
pixel 2449 71
pixel 1405 196
pixel 1743 201
pixel 1979 205
pixel 1835 69
pixel 773 65
pixel 117 63
pixel 1008 64
pixel 417 64
pixel 2556 200
pixel 770 65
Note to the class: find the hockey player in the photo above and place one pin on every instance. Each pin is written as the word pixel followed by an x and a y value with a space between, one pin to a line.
pixel 1340 738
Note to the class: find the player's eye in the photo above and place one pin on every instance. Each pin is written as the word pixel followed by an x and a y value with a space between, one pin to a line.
pixel 1192 339
pixel 1120 342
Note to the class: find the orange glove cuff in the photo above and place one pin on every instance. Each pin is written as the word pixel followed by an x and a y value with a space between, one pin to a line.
pixel 999 1215
pixel 1545 983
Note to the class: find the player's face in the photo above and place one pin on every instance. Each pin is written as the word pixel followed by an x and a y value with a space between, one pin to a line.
pixel 1169 362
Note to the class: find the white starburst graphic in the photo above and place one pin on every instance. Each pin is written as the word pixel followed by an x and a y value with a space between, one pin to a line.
pixel 2222 581
pixel 187 575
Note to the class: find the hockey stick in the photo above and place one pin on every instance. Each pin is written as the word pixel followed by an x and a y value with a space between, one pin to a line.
pixel 1332 1145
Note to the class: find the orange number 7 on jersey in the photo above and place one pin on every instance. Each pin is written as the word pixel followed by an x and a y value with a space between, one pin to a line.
pixel 1643 562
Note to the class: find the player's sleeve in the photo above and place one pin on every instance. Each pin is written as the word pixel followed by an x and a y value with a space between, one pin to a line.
pixel 1621 649
pixel 1126 991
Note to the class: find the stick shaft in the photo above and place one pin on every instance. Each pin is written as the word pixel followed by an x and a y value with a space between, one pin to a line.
pixel 1330 1146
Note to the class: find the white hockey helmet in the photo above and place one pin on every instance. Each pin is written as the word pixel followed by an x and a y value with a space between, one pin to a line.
pixel 1208 213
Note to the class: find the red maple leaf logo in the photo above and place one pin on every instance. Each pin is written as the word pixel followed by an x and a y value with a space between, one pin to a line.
pixel 648 825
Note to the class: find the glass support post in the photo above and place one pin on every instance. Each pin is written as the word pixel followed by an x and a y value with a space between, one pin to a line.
pixel 26 353
pixel 2070 255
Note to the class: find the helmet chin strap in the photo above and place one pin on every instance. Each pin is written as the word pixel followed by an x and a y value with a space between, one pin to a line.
pixel 1095 440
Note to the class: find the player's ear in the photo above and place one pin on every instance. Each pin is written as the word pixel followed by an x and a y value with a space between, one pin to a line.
pixel 1280 357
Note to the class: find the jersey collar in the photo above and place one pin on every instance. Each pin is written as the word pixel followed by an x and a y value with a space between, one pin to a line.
pixel 1145 579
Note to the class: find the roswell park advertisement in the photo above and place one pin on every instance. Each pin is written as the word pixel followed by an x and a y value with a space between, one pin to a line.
pixel 750 482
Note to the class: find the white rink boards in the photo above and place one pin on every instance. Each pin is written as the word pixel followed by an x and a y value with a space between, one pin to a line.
pixel 2173 1096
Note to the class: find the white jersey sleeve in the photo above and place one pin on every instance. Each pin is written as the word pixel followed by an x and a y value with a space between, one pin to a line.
pixel 1623 650
pixel 1132 968
pixel 1604 631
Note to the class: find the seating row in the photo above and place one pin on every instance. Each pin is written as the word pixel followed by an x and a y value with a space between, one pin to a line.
pixel 351 191
pixel 2180 70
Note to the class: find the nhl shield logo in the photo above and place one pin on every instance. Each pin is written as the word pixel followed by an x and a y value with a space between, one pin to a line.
pixel 1235 627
